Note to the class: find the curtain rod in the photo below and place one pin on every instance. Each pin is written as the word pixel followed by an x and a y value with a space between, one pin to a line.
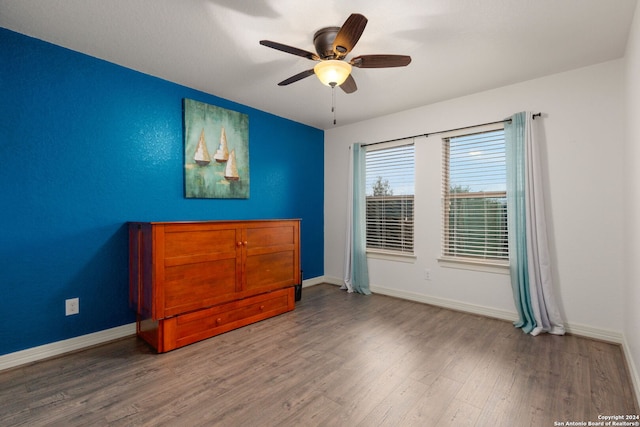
pixel 449 130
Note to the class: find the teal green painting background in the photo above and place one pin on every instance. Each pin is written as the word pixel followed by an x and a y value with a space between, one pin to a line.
pixel 207 181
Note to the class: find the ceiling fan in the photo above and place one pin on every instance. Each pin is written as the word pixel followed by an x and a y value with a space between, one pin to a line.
pixel 332 45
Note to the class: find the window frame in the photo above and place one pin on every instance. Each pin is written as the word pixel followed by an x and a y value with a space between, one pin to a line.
pixel 494 265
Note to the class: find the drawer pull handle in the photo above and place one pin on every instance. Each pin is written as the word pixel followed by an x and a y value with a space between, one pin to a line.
pixel 261 307
pixel 218 320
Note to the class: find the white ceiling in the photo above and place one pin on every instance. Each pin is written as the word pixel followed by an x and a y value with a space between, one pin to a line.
pixel 458 46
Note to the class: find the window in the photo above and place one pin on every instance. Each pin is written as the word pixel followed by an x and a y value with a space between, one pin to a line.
pixel 475 197
pixel 389 196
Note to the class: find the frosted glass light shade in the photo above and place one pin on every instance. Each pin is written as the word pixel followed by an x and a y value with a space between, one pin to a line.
pixel 332 72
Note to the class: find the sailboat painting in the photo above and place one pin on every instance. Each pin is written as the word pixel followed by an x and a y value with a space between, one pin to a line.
pixel 224 174
pixel 222 153
pixel 201 156
pixel 231 170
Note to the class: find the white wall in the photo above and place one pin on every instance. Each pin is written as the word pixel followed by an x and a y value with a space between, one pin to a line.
pixel 583 121
pixel 631 292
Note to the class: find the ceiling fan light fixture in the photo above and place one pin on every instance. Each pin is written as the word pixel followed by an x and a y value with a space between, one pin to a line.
pixel 332 72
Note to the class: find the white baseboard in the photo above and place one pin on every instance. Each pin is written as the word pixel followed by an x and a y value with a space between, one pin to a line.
pixel 439 302
pixel 313 281
pixel 633 370
pixel 595 333
pixel 333 280
pixel 46 351
pixel 447 303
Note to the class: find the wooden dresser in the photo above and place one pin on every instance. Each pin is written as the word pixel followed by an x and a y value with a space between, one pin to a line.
pixel 192 280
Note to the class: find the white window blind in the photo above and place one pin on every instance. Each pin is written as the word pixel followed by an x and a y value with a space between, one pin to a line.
pixel 390 171
pixel 475 197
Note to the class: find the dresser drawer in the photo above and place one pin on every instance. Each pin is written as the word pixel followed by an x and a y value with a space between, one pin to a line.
pixel 198 325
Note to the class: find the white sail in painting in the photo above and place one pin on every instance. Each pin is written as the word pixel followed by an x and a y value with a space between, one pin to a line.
pixel 231 171
pixel 222 153
pixel 201 156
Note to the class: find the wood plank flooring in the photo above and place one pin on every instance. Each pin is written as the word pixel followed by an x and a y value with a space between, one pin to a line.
pixel 338 360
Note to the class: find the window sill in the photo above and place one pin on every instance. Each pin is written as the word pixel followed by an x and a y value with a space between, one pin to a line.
pixel 391 256
pixel 496 267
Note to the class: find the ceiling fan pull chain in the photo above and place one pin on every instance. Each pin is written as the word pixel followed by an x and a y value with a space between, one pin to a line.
pixel 333 103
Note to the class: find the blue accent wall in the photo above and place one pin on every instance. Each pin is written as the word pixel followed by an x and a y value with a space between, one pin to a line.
pixel 85 146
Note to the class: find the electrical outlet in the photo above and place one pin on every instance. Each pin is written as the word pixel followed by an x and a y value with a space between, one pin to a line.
pixel 72 306
pixel 427 274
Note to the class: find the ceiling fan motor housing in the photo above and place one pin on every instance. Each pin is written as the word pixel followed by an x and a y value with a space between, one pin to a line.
pixel 323 42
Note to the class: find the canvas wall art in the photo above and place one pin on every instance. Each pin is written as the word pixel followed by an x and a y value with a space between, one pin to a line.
pixel 216 152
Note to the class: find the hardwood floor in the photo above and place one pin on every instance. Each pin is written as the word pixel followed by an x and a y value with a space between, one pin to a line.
pixel 338 360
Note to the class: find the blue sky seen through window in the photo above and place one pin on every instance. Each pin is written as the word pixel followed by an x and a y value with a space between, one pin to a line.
pixel 395 165
pixel 477 162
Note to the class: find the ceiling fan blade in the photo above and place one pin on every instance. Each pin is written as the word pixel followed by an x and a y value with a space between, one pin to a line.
pixel 349 85
pixel 380 61
pixel 290 49
pixel 297 77
pixel 349 34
